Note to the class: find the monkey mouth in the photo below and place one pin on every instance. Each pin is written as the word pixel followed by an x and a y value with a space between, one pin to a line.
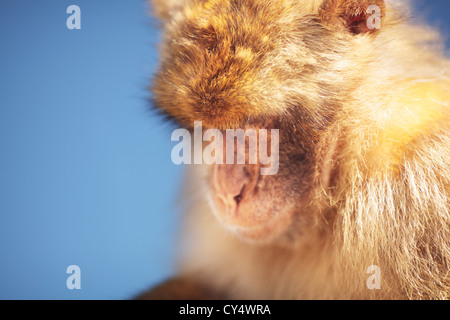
pixel 246 202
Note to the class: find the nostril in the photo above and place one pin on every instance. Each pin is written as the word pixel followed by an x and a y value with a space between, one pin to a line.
pixel 238 198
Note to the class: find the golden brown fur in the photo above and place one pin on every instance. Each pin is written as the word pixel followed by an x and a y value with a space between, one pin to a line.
pixel 374 119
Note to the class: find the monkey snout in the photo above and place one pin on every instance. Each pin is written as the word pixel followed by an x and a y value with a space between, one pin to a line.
pixel 246 202
pixel 230 183
pixel 235 191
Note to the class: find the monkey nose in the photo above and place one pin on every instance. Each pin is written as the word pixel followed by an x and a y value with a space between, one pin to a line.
pixel 229 181
pixel 238 198
pixel 237 195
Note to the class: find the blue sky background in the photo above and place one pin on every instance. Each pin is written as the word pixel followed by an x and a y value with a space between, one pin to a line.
pixel 85 170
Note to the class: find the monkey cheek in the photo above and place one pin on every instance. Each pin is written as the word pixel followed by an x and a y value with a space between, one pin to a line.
pixel 247 204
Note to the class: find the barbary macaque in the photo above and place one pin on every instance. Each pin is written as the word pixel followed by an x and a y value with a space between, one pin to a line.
pixel 360 96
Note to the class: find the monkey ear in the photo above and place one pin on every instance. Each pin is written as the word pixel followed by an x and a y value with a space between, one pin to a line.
pixel 355 16
pixel 164 9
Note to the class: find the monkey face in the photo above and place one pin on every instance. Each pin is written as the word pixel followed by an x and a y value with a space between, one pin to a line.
pixel 261 200
pixel 260 65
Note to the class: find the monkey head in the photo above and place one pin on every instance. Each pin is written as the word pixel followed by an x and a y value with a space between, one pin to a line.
pixel 265 64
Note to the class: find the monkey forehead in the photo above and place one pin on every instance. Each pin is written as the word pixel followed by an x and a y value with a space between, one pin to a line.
pixel 228 62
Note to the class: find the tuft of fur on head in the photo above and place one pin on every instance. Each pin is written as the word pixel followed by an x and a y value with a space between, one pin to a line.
pixel 380 105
